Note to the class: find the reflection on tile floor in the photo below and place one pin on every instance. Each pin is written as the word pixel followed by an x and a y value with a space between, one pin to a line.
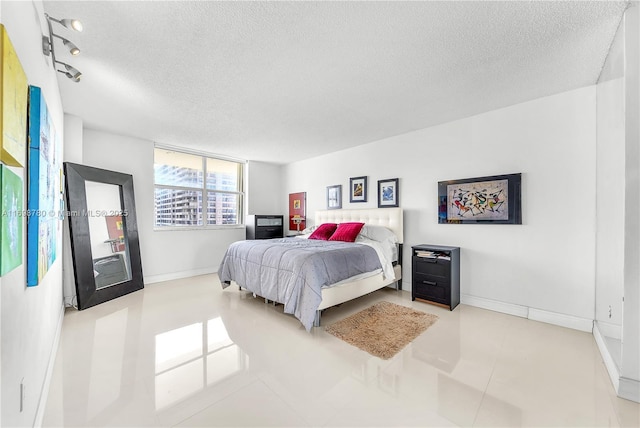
pixel 186 353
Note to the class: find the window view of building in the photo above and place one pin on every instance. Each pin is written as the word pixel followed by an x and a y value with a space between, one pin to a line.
pixel 193 190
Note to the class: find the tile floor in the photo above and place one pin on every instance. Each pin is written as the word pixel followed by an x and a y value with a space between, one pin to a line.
pixel 185 353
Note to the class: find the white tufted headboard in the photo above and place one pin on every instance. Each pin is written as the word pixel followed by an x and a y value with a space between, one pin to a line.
pixel 388 217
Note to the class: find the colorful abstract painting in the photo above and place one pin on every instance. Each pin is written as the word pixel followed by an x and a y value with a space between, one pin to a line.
pixel 43 200
pixel 11 220
pixel 493 199
pixel 486 200
pixel 13 104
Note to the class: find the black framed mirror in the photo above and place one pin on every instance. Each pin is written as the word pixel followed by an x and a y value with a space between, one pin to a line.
pixel 104 234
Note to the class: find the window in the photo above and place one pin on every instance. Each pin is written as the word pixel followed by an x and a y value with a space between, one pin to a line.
pixel 196 191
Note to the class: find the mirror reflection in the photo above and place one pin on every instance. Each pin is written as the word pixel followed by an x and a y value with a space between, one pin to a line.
pixel 107 231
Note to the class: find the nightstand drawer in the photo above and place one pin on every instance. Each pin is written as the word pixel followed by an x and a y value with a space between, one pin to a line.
pixel 269 233
pixel 436 267
pixel 431 287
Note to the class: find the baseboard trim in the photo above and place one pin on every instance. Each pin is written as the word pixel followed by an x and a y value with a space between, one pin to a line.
pixel 494 305
pixel 610 365
pixel 629 389
pixel 44 393
pixel 562 320
pixel 610 330
pixel 152 279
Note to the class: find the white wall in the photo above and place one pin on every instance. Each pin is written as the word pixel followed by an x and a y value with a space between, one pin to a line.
pixel 547 262
pixel 72 138
pixel 264 188
pixel 30 316
pixel 610 195
pixel 630 368
pixel 618 236
pixel 165 254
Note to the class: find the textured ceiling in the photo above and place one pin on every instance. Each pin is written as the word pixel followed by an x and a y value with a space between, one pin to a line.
pixel 284 81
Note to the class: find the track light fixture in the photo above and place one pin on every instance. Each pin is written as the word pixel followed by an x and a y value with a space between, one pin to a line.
pixel 48 47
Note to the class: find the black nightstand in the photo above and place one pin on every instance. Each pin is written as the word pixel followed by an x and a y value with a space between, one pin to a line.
pixel 436 274
pixel 265 226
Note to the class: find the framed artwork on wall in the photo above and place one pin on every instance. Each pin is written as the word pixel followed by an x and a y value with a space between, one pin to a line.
pixel 494 199
pixel 388 193
pixel 11 220
pixel 13 107
pixel 297 211
pixel 358 189
pixel 43 197
pixel 334 197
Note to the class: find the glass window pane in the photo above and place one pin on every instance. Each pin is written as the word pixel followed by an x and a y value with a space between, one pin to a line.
pixel 222 208
pixel 178 207
pixel 177 169
pixel 223 175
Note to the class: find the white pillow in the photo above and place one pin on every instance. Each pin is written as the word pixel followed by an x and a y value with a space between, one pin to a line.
pixel 378 233
pixel 309 230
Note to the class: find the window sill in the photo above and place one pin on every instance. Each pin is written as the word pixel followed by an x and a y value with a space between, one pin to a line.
pixel 197 228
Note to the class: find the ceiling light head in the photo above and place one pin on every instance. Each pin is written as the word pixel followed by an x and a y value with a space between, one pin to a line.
pixel 74 71
pixel 71 72
pixel 75 78
pixel 73 49
pixel 72 24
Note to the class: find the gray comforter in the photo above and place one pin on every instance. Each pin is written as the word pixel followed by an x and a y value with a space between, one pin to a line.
pixel 293 271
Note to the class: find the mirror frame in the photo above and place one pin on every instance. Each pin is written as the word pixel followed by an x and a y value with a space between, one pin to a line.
pixel 76 197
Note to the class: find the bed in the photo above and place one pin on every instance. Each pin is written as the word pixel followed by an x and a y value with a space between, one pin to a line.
pixel 304 298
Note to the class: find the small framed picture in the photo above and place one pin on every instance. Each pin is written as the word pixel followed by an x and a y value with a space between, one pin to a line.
pixel 334 197
pixel 388 193
pixel 358 189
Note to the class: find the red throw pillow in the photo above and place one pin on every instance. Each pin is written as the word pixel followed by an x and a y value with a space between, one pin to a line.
pixel 324 231
pixel 347 232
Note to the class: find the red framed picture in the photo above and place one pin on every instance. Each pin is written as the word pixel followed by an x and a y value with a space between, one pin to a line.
pixel 297 211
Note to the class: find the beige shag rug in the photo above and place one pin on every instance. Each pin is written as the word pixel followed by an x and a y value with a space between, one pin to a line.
pixel 383 329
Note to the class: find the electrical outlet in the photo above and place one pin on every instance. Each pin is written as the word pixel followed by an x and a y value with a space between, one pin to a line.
pixel 609 311
pixel 22 394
